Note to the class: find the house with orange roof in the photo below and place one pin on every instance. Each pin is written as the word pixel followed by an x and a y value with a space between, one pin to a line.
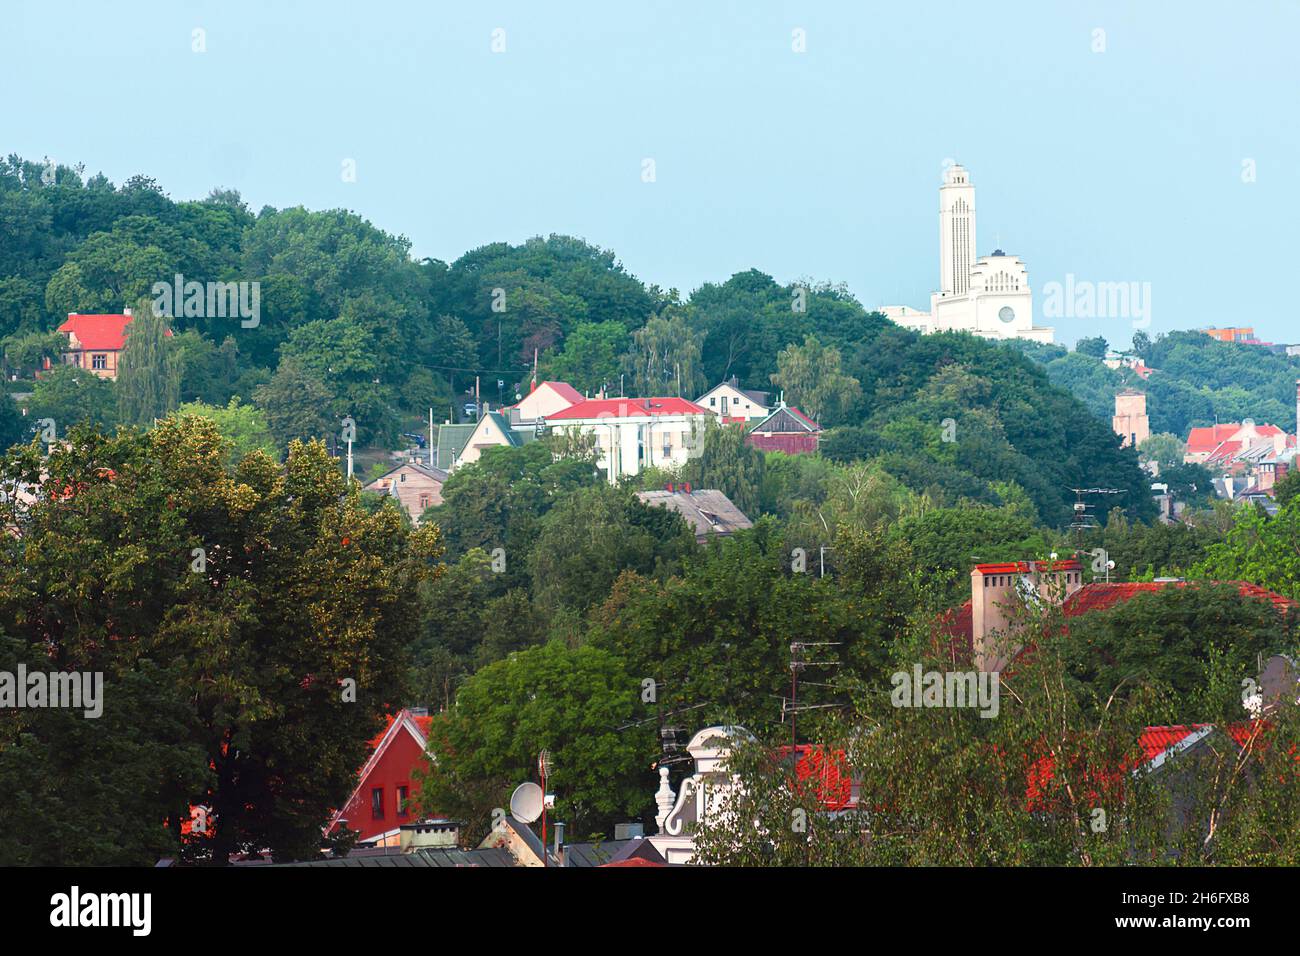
pixel 95 342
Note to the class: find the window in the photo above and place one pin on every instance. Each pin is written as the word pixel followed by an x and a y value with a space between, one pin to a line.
pixel 403 795
pixel 713 402
pixel 99 361
pixel 377 803
pixel 425 500
pixel 403 476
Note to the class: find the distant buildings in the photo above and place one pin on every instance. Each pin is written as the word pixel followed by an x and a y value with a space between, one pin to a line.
pixel 1130 421
pixel 978 632
pixel 989 296
pixel 546 399
pixel 633 434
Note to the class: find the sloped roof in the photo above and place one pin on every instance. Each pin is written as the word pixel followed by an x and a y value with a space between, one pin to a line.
pixel 1206 439
pixel 437 857
pixel 708 511
pixel 565 391
pixel 437 474
pixel 627 408
pixel 452 440
pixel 99 332
pixel 403 721
pixel 786 418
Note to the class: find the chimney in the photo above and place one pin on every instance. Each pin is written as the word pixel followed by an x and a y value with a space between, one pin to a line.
pixel 997 590
pixel 559 838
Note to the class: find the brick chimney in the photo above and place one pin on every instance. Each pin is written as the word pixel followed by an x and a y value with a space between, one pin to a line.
pixel 997 589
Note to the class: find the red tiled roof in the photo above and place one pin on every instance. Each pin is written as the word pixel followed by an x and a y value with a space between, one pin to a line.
pixel 1156 740
pixel 955 627
pixel 627 408
pixel 1023 567
pixel 99 333
pixel 105 332
pixel 1206 439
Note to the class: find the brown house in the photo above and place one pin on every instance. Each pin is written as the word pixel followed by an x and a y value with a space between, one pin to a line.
pixel 414 485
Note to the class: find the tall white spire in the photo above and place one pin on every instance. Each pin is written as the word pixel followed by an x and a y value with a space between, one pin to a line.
pixel 956 231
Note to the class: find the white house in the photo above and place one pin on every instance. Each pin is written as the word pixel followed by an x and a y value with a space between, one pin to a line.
pixel 731 403
pixel 634 433
pixel 546 399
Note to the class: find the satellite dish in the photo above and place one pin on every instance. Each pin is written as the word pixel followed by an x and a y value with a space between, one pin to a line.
pixel 526 802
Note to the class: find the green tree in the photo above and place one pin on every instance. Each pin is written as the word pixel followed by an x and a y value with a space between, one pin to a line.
pixel 264 669
pixel 148 371
pixel 590 357
pixel 577 703
pixel 666 357
pixel 73 396
pixel 243 426
pixel 811 376
pixel 296 403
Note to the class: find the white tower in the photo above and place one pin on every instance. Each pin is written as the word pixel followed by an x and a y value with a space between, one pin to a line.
pixel 956 231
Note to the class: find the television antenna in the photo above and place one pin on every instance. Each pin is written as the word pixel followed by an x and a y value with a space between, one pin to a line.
pixel 1084 520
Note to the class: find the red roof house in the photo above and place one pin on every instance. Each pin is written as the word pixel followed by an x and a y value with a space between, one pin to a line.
pixel 96 341
pixel 380 804
pixel 598 408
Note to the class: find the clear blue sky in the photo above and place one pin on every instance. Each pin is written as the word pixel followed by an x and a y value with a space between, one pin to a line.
pixel 1117 166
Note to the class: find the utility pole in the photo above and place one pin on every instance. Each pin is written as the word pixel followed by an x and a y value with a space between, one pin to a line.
pixel 431 436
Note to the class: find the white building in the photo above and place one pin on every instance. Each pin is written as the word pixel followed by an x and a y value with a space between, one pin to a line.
pixel 731 403
pixel 634 433
pixel 990 295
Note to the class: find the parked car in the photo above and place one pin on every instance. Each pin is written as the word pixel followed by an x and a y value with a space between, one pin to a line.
pixel 415 439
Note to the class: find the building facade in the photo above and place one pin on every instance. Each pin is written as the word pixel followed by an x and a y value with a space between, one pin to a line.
pixel 1130 421
pixel 632 434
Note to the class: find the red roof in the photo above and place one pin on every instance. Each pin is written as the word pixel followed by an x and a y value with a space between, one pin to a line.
pixel 1201 441
pixel 107 332
pixel 1205 440
pixel 634 861
pixel 957 626
pixel 565 391
pixel 101 333
pixel 627 408
pixel 807 420
pixel 1024 567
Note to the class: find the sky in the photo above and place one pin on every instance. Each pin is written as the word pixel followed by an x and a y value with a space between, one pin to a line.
pixel 1154 143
